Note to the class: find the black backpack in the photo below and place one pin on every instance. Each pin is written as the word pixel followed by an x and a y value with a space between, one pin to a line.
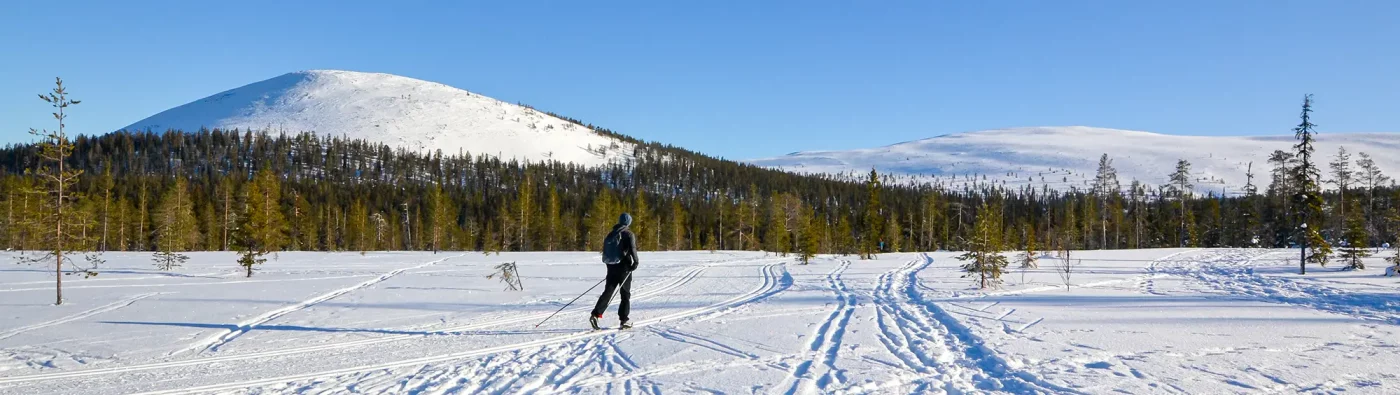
pixel 612 247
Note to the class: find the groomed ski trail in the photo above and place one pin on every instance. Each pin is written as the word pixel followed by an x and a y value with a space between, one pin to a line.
pixel 213 343
pixel 772 280
pixel 85 314
pixel 683 278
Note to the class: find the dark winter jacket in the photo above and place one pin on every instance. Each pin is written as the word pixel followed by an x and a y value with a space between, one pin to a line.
pixel 627 243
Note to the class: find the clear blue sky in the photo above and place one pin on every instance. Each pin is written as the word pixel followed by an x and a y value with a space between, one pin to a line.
pixel 744 79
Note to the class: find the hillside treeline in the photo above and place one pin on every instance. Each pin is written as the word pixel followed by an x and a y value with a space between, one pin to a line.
pixel 177 190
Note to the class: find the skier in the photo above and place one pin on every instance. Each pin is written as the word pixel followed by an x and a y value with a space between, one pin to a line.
pixel 620 255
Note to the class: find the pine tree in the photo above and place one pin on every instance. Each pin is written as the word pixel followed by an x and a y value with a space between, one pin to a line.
pixel 600 219
pixel 524 212
pixel 1342 177
pixel 985 263
pixel 1356 241
pixel 265 223
pixel 643 223
pixel 777 236
pixel 304 224
pixel 677 222
pixel 1106 186
pixel 552 231
pixel 357 227
pixel 444 216
pixel 893 239
pixel 228 217
pixel 57 207
pixel 176 228
pixel 107 183
pixel 1371 177
pixel 811 235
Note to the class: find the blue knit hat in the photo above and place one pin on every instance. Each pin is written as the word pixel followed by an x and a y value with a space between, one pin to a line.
pixel 624 220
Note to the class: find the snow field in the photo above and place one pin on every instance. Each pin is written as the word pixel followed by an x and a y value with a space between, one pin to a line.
pixel 1134 321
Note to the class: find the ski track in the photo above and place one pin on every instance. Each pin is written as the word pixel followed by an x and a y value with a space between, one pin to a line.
pixel 945 354
pixel 85 314
pixel 213 343
pixel 547 349
pixel 826 341
pixel 678 281
pixel 1232 273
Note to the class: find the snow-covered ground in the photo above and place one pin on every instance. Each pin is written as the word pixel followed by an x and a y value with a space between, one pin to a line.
pixel 399 111
pixel 1138 321
pixel 1067 157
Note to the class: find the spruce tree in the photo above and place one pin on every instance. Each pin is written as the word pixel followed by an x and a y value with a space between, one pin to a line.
pixel 1356 240
pixel 874 219
pixel 1028 256
pixel 1181 190
pixel 985 263
pixel 1303 178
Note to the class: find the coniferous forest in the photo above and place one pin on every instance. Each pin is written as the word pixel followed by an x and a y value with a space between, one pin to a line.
pixel 259 192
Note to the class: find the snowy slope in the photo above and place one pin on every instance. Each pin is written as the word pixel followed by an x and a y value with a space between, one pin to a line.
pixel 394 110
pixel 1063 157
pixel 1173 321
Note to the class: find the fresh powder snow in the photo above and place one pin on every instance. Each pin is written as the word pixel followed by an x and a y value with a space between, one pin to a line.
pixel 398 111
pixel 1175 321
pixel 1061 158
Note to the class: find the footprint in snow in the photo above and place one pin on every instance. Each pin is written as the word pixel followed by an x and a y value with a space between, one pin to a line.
pixel 1098 365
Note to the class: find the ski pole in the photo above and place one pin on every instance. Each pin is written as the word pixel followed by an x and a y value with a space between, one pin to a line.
pixel 590 289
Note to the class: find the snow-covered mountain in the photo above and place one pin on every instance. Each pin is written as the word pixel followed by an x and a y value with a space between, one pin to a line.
pixel 394 110
pixel 1064 157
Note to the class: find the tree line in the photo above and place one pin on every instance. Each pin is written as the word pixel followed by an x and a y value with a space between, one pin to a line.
pixel 258 192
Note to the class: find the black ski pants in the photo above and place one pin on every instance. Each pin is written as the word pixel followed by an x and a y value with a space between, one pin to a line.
pixel 616 274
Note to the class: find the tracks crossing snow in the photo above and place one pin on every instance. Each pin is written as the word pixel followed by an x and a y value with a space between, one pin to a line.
pixel 85 314
pixel 826 341
pixel 685 277
pixel 213 343
pixel 772 280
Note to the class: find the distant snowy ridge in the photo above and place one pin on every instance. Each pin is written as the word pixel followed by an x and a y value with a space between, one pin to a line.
pixel 393 110
pixel 1065 157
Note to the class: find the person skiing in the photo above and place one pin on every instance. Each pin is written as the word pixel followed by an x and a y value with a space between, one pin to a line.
pixel 620 255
